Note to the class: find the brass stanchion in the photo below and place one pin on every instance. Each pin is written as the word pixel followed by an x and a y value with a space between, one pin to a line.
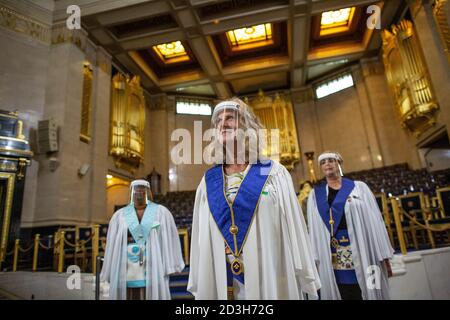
pixel 398 226
pixel 2 256
pixel 61 251
pixel 95 241
pixel 16 254
pixel 98 260
pixel 35 251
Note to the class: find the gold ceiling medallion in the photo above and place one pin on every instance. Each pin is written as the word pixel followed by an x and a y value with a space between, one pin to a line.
pixel 277 113
pixel 171 52
pixel 408 78
pixel 250 37
pixel 337 21
pixel 127 122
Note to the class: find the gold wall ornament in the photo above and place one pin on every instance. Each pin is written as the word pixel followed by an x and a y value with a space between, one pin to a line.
pixel 127 122
pixel 440 16
pixel 277 113
pixel 408 78
pixel 86 104
pixel 310 158
pixel 23 163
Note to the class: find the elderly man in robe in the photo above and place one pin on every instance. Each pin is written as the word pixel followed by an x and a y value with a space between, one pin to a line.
pixel 142 249
pixel 349 238
pixel 249 238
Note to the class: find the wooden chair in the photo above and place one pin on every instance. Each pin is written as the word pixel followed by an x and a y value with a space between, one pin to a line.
pixel 440 222
pixel 384 209
pixel 184 239
pixel 84 245
pixel 443 198
pixel 103 233
pixel 414 205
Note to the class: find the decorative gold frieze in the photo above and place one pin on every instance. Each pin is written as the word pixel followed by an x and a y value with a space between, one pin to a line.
pixel 408 78
pixel 86 104
pixel 61 34
pixel 127 122
pixel 14 21
pixel 8 166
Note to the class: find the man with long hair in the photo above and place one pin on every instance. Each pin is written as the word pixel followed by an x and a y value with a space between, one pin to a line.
pixel 249 238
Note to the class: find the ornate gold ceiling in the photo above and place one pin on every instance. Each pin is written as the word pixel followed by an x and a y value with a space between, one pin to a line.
pixel 233 47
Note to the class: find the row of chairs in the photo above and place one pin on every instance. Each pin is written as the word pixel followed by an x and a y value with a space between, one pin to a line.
pixel 79 246
pixel 419 217
pixel 400 180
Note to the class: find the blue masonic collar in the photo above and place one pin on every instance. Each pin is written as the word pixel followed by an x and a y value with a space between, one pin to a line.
pixel 234 220
pixel 338 204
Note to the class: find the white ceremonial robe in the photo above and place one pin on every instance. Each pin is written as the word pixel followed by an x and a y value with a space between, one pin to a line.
pixel 369 243
pixel 165 256
pixel 277 259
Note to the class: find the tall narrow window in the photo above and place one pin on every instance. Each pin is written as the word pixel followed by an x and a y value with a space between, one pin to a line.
pixel 188 106
pixel 335 85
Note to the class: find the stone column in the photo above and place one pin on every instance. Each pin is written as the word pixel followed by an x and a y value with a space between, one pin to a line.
pixel 160 138
pixel 308 131
pixel 100 136
pixel 365 108
pixel 61 196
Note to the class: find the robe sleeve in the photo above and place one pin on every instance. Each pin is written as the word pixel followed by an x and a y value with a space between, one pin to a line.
pixel 298 236
pixel 194 252
pixel 311 220
pixel 170 243
pixel 380 235
pixel 111 238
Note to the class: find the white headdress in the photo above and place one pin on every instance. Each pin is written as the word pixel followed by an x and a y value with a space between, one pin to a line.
pixel 137 183
pixel 230 105
pixel 332 155
pixel 140 182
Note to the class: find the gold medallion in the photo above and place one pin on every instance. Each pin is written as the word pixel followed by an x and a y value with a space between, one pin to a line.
pixel 334 242
pixel 237 267
pixel 233 229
